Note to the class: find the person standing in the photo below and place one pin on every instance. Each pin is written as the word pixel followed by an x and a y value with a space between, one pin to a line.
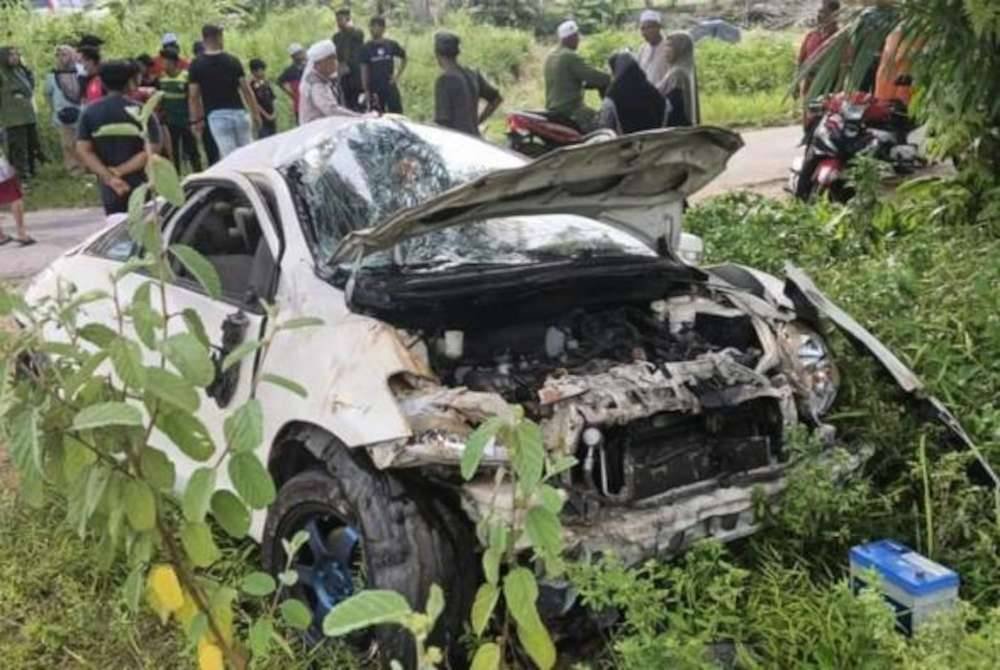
pixel 219 94
pixel 680 85
pixel 264 95
pixel 119 162
pixel 458 90
pixel 168 43
pixel 17 112
pixel 567 76
pixel 90 82
pixel 378 70
pixel 632 104
pixel 62 90
pixel 12 195
pixel 291 77
pixel 320 93
pixel 826 27
pixel 174 84
pixel 652 56
pixel 349 42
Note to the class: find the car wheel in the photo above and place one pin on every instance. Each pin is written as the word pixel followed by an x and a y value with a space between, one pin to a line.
pixel 367 529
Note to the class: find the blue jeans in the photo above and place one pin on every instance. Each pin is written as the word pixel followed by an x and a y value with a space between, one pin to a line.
pixel 231 129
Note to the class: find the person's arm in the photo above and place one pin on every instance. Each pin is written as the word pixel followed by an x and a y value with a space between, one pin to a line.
pixel 366 83
pixel 591 77
pixel 88 156
pixel 196 109
pixel 251 100
pixel 326 100
pixel 444 114
pixel 401 54
pixel 491 95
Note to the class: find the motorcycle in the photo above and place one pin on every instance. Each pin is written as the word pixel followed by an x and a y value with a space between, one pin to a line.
pixel 535 134
pixel 843 126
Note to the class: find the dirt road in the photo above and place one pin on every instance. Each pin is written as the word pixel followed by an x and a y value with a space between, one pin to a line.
pixel 761 165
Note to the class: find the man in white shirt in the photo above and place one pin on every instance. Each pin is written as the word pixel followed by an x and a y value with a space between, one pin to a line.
pixel 653 53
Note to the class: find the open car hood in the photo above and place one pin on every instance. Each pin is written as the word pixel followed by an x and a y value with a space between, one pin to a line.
pixel 637 183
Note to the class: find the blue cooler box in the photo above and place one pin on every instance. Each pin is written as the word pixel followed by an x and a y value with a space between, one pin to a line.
pixel 914 585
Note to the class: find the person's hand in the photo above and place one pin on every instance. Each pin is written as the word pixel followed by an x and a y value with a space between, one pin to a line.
pixel 256 118
pixel 118 185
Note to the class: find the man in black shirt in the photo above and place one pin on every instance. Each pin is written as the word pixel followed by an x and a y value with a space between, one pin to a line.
pixel 219 94
pixel 349 42
pixel 459 89
pixel 378 70
pixel 264 95
pixel 292 76
pixel 119 162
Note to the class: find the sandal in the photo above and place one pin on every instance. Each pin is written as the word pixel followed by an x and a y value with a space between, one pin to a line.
pixel 26 241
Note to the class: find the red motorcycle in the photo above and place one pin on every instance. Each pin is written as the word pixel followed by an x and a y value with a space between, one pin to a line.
pixel 843 126
pixel 537 133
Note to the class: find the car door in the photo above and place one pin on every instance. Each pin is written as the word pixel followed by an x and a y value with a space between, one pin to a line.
pixel 247 269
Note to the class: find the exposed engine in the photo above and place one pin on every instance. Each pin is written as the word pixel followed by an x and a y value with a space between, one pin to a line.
pixel 515 361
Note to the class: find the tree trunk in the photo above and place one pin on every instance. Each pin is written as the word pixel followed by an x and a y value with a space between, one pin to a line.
pixel 421 11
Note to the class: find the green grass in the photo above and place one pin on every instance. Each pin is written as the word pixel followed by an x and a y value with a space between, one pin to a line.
pixel 54 188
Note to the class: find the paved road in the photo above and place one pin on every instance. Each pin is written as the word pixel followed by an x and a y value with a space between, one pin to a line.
pixel 763 161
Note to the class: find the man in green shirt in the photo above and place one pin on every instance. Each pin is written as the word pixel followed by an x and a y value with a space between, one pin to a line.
pixel 567 76
pixel 174 84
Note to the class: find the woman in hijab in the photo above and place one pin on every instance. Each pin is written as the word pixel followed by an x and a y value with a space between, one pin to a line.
pixel 63 91
pixel 319 94
pixel 631 104
pixel 680 84
pixel 17 111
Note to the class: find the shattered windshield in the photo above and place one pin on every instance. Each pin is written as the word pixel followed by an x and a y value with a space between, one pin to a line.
pixel 370 170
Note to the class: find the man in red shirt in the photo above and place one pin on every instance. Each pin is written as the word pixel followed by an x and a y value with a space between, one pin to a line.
pixel 169 42
pixel 826 27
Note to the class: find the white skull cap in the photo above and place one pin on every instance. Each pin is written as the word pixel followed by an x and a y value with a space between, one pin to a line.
pixel 651 16
pixel 567 29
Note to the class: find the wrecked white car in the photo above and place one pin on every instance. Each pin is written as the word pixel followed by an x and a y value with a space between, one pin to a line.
pixel 454 279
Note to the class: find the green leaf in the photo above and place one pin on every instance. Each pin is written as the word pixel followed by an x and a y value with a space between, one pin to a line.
pixel 285 383
pixel 261 634
pixel 544 530
pixel 119 130
pixel 164 178
pixel 306 322
pixel 157 469
pixel 199 267
pixel 528 459
pixel 435 604
pixel 98 334
pixel 239 353
pixel 231 514
pixel 199 545
pixel 137 203
pixel 251 481
pixel 25 446
pixel 133 264
pixel 134 586
pixel 487 657
pixel 491 565
pixel 187 354
pixel 550 498
pixel 97 482
pixel 365 609
pixel 106 414
pixel 561 464
pixel 520 590
pixel 150 106
pixel 76 457
pixel 172 389
pixel 258 584
pixel 288 578
pixel 296 614
pixel 196 327
pixel 537 642
pixel 244 428
pixel 145 319
pixel 198 494
pixel 476 446
pixel 140 505
pixel 187 433
pixel 482 607
pixel 126 357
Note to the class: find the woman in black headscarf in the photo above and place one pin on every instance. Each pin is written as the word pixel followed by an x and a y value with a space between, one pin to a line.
pixel 631 104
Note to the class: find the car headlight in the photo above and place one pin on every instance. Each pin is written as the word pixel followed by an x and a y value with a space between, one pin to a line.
pixel 819 375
